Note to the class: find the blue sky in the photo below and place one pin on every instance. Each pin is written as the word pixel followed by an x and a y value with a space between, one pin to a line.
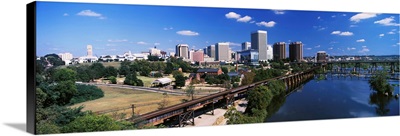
pixel 113 29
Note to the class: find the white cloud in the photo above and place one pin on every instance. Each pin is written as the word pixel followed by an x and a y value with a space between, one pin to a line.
pixel 318 17
pixel 398 43
pixel 352 48
pixel 358 17
pixel 117 40
pixel 102 18
pixel 111 45
pixel 387 22
pixel 308 48
pixel 317 46
pixel 266 24
pixel 187 33
pixel 233 44
pixel 141 43
pixel 335 32
pixel 171 49
pixel 391 32
pixel 251 22
pixel 333 16
pixel 330 48
pixel 89 13
pixel 279 12
pixel 347 33
pixel 319 28
pixel 244 19
pixel 364 50
pixel 344 15
pixel 65 14
pixel 232 15
pixel 381 35
pixel 156 43
pixel 353 25
pixel 168 28
pixel 361 40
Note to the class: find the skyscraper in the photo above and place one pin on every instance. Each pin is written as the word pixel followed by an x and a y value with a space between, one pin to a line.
pixel 89 50
pixel 296 51
pixel 211 51
pixel 259 42
pixel 222 52
pixel 321 56
pixel 246 46
pixel 269 52
pixel 279 50
pixel 182 50
pixel 198 56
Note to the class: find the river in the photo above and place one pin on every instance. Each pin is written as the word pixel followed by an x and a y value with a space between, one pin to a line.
pixel 333 98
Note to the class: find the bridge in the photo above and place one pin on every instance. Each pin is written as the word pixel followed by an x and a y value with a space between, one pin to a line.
pixel 185 112
pixel 394 64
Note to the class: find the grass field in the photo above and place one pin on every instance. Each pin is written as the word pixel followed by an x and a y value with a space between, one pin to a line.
pixel 115 98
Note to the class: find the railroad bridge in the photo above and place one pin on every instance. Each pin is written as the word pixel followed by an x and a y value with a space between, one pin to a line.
pixel 184 113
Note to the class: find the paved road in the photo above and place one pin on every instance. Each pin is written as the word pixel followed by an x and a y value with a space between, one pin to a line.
pixel 156 90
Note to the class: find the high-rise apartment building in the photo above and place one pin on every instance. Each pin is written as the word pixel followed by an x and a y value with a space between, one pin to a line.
pixel 259 42
pixel 182 51
pixel 296 51
pixel 222 52
pixel 211 51
pixel 198 56
pixel 279 51
pixel 246 46
pixel 269 52
pixel 321 56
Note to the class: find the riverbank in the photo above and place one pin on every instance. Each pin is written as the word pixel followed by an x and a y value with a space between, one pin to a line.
pixel 218 118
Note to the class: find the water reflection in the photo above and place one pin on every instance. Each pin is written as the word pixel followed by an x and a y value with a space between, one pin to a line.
pixel 381 102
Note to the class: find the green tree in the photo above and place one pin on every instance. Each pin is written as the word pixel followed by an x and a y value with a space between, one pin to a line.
pixel 65 85
pixel 98 70
pixel 110 71
pixel 64 74
pixel 113 79
pixel 379 83
pixel 224 69
pixel 86 93
pixel 180 80
pixel 259 98
pixel 91 123
pixel 248 78
pixel 169 68
pixel 47 128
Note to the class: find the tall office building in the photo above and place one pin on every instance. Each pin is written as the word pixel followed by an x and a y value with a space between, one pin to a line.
pixel 279 51
pixel 205 50
pixel 246 46
pixel 198 56
pixel 269 52
pixel 182 50
pixel 222 52
pixel 89 50
pixel 321 56
pixel 296 51
pixel 259 42
pixel 211 51
pixel 191 54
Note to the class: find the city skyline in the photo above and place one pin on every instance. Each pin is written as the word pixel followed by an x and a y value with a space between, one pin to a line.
pixel 115 29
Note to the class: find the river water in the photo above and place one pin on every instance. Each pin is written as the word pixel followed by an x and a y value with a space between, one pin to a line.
pixel 333 98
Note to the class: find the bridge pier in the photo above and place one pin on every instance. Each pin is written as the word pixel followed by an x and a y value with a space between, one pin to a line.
pixel 186 116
